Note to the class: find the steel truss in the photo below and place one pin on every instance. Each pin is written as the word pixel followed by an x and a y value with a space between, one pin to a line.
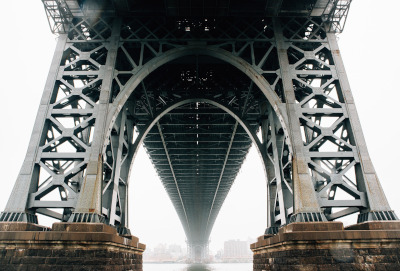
pixel 197 92
pixel 61 12
pixel 58 15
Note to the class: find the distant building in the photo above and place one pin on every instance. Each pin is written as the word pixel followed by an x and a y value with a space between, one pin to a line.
pixel 176 251
pixel 163 253
pixel 237 251
pixel 220 255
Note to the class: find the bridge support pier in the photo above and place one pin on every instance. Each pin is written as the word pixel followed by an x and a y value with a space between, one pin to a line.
pixel 67 246
pixel 330 246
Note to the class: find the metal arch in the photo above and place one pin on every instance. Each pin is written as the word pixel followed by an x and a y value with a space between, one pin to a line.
pixel 212 51
pixel 231 111
pixel 226 108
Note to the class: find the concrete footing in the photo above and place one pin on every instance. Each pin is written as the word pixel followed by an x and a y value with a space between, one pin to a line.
pixel 330 246
pixel 67 246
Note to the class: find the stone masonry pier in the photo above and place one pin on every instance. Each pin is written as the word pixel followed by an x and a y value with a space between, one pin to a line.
pixel 66 246
pixel 330 246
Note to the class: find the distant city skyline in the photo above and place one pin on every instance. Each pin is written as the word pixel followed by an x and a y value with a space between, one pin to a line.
pixel 232 251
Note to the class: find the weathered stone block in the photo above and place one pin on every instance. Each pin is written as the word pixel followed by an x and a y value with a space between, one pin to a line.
pixel 325 247
pixel 392 267
pixel 70 247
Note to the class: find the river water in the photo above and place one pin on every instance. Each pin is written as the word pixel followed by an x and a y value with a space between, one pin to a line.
pixel 198 267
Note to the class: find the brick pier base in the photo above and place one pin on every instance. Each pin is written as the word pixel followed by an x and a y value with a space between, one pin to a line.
pixel 67 246
pixel 329 246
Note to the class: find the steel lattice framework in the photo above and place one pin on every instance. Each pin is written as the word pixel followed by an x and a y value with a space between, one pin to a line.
pixel 197 90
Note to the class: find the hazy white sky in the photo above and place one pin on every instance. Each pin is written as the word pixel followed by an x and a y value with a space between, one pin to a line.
pixel 369 47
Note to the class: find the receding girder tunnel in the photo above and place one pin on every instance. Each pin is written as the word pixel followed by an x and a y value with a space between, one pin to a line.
pixel 197 147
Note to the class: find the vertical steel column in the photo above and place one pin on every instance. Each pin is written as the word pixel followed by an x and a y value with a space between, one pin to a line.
pixel 125 175
pixel 88 208
pixel 117 161
pixel 269 166
pixel 118 149
pixel 367 179
pixel 279 190
pixel 27 181
pixel 306 206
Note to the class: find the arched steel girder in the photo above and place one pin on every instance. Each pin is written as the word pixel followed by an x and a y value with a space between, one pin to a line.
pixel 228 109
pixel 217 53
pixel 212 51
pixel 168 108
